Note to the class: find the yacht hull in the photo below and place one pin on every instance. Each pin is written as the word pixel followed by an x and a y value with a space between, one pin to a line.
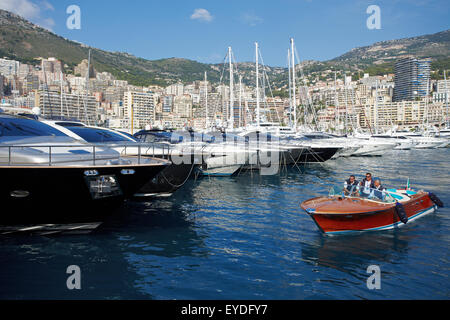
pixel 55 194
pixel 373 150
pixel 167 181
pixel 224 171
pixel 314 154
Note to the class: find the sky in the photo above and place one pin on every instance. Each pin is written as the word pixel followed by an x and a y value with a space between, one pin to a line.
pixel 203 30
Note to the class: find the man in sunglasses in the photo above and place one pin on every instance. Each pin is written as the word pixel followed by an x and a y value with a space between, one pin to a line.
pixel 366 185
pixel 351 186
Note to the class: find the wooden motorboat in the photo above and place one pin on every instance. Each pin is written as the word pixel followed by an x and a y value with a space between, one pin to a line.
pixel 337 214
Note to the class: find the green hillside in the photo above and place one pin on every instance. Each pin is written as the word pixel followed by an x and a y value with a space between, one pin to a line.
pixel 25 42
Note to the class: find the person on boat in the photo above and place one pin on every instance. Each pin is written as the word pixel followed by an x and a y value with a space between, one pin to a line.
pixel 378 190
pixel 366 185
pixel 351 186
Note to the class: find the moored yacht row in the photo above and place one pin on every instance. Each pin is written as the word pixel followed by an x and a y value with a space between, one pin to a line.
pixel 64 172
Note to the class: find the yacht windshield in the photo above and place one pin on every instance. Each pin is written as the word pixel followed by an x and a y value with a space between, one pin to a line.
pixel 95 135
pixel 386 196
pixel 20 127
pixel 156 136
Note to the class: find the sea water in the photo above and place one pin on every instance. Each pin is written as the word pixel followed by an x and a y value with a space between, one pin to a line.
pixel 246 237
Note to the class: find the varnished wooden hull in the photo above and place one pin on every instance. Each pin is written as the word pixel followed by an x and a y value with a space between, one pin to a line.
pixel 345 215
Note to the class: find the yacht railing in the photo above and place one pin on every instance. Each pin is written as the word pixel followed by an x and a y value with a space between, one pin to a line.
pixel 97 151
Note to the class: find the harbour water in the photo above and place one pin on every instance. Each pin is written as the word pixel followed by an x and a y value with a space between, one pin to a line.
pixel 246 237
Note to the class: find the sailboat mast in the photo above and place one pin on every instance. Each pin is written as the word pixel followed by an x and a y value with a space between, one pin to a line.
pixel 426 102
pixel 257 85
pixel 346 103
pixel 47 92
pixel 231 118
pixel 206 101
pixel 336 100
pixel 446 99
pixel 294 100
pixel 376 107
pixel 87 87
pixel 290 88
pixel 61 82
pixel 240 101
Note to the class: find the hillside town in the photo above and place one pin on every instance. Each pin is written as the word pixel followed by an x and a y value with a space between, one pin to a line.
pixel 407 98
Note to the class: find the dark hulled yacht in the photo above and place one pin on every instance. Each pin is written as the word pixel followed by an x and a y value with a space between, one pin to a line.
pixel 163 184
pixel 50 178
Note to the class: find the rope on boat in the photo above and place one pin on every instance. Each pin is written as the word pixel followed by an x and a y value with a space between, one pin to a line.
pixel 185 180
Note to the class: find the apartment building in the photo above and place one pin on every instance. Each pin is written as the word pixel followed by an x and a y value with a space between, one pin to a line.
pixel 412 78
pixel 67 105
pixel 141 107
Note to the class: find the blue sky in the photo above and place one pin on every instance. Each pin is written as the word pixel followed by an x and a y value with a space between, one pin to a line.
pixel 202 30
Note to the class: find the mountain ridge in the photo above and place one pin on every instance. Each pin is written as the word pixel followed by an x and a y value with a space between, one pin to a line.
pixel 25 41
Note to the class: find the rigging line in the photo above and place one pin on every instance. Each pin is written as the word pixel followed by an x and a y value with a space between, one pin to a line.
pixel 220 83
pixel 273 100
pixel 265 76
pixel 306 92
pixel 295 162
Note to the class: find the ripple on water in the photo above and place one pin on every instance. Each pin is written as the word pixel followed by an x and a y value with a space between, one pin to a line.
pixel 247 238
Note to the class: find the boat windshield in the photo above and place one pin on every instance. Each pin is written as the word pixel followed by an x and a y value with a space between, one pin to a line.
pixel 95 135
pixel 155 136
pixel 384 196
pixel 13 128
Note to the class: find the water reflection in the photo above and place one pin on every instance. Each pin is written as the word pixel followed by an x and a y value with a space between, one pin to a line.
pixel 244 237
pixel 349 252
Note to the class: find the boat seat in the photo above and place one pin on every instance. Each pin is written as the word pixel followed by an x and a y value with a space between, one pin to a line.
pixel 400 194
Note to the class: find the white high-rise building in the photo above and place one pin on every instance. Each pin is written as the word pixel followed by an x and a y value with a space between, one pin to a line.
pixel 9 67
pixel 74 106
pixel 139 106
pixel 182 106
pixel 175 89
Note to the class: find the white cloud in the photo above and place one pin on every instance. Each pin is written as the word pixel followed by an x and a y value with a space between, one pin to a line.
pixel 202 15
pixel 251 19
pixel 30 10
